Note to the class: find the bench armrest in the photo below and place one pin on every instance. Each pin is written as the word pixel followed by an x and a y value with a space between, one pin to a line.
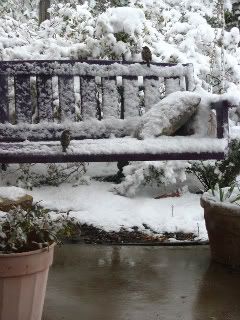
pixel 221 108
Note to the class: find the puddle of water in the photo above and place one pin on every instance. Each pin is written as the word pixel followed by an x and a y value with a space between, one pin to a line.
pixel 140 283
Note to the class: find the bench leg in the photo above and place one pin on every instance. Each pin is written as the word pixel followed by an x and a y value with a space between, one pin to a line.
pixel 121 165
pixel 3 166
pixel 117 178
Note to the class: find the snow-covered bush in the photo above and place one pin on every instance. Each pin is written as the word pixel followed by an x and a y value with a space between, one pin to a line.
pixel 122 33
pixel 219 174
pixel 230 195
pixel 19 9
pixel 32 175
pixel 100 6
pixel 22 231
pixel 156 172
pixel 175 31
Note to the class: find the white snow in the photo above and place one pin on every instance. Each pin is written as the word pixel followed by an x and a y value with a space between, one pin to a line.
pixel 131 98
pixel 175 31
pixel 129 20
pixel 152 146
pixel 95 204
pixel 235 132
pixel 151 92
pixel 110 98
pixel 168 115
pixel 12 193
pixel 228 199
pixel 56 68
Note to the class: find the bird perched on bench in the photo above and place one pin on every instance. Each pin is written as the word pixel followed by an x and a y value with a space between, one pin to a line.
pixel 147 55
pixel 65 140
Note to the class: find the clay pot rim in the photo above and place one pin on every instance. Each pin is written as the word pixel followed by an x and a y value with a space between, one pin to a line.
pixel 226 208
pixel 27 253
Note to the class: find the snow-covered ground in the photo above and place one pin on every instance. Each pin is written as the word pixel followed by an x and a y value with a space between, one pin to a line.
pixel 96 204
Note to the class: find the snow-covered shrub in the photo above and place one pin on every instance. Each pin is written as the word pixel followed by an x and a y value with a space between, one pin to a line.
pixel 218 173
pixel 19 9
pixel 122 32
pixel 71 23
pixel 32 175
pixel 175 31
pixel 22 231
pixel 100 6
pixel 186 31
pixel 230 195
pixel 74 25
pixel 16 36
pixel 145 173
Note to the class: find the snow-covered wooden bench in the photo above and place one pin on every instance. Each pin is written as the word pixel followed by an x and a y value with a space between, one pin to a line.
pixel 110 100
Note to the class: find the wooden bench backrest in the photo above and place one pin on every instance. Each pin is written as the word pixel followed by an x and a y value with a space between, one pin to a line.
pixel 33 86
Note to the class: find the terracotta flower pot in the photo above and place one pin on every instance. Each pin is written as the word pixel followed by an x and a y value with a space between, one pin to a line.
pixel 223 227
pixel 23 279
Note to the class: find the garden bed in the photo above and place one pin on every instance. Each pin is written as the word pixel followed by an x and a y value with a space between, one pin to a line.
pixel 93 235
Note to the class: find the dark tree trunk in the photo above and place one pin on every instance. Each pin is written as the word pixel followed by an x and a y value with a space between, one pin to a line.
pixel 236 13
pixel 44 5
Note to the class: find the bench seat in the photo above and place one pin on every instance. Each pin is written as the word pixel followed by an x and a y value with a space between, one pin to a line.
pixel 115 149
pixel 100 102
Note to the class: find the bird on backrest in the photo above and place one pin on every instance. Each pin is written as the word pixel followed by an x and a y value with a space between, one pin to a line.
pixel 65 140
pixel 147 55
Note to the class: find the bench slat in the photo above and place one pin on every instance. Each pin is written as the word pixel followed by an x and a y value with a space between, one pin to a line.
pixel 110 98
pixel 172 85
pixel 189 78
pixel 23 103
pixel 131 98
pixel 96 146
pixel 45 98
pixel 66 97
pixel 88 92
pixel 101 68
pixel 164 148
pixel 4 112
pixel 182 84
pixel 151 91
pixel 62 158
pixel 91 129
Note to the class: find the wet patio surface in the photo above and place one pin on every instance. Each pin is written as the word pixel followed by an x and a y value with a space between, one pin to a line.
pixel 140 283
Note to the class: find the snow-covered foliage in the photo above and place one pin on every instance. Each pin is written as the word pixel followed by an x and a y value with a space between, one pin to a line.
pixel 19 10
pixel 144 173
pixel 121 32
pixel 221 174
pixel 175 31
pixel 29 176
pixel 230 196
pixel 22 231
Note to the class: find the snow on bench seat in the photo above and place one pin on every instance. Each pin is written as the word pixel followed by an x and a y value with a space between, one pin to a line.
pixel 115 149
pixel 96 99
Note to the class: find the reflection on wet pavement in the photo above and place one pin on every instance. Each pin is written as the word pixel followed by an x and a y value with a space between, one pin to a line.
pixel 140 283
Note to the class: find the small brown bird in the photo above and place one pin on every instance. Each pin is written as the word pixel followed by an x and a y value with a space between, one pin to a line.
pixel 147 55
pixel 65 140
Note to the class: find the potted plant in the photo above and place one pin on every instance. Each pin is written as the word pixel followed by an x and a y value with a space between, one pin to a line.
pixel 222 218
pixel 221 204
pixel 27 240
